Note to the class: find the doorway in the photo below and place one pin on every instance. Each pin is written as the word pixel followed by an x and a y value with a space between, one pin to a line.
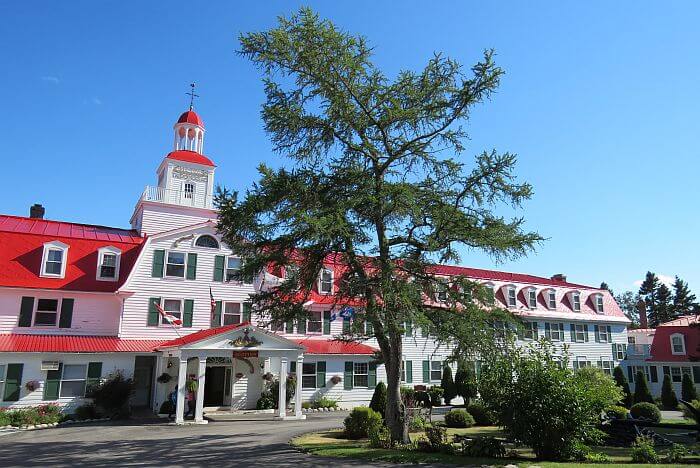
pixel 214 380
pixel 143 380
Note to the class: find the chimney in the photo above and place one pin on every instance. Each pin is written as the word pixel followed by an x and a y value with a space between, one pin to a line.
pixel 559 277
pixel 642 310
pixel 36 211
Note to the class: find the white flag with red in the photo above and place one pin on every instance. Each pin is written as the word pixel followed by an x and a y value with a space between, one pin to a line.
pixel 168 317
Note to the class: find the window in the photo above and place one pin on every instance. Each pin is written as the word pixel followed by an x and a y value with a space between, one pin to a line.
pixel 175 266
pixel 578 333
pixel 435 370
pixel 677 344
pixel 172 307
pixel 576 301
pixel 619 351
pixel 552 299
pixel 360 375
pixel 108 259
pixel 189 190
pixel 554 331
pixel 73 380
pixel 530 332
pixel 676 375
pixel 644 370
pixel 315 322
pixel 232 313
pixel 207 241
pixel 441 294
pixel 581 362
pixel 490 294
pixel 325 282
pixel 532 298
pixel 46 314
pixel 511 296
pixel 53 262
pixel 631 339
pixel 606 366
pixel 599 303
pixel 604 333
pixel 308 375
pixel 234 265
pixel 277 327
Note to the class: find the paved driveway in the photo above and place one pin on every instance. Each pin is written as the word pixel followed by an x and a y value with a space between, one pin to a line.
pixel 240 443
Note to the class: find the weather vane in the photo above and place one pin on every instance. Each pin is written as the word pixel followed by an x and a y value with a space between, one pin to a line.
pixel 192 95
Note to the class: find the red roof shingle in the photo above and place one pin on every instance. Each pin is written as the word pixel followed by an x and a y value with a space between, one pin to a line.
pixel 73 344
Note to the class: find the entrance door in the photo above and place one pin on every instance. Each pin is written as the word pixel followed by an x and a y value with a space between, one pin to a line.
pixel 214 379
pixel 143 380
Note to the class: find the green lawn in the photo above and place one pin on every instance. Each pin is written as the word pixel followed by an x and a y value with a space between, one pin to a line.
pixel 332 444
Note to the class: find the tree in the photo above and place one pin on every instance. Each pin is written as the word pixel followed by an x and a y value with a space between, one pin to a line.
pixel 628 301
pixel 641 389
pixel 605 286
pixel 648 292
pixel 668 396
pixel 465 381
pixel 621 381
pixel 664 307
pixel 374 187
pixel 378 402
pixel 684 302
pixel 688 391
pixel 448 384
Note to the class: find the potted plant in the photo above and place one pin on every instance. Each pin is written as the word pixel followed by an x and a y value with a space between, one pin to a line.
pixel 336 379
pixel 31 385
pixel 268 377
pixel 164 378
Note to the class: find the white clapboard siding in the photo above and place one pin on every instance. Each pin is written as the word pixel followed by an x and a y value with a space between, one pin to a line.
pixel 152 218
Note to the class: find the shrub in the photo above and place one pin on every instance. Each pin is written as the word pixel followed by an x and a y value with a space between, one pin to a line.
pixel 324 402
pixel 688 392
pixel 676 453
pixel 436 394
pixel 647 411
pixel 687 413
pixel 597 457
pixel 422 399
pixel 379 436
pixel 435 439
pixel 360 421
pixel 465 381
pixel 43 414
pixel 113 394
pixel 482 415
pixel 49 414
pixel 459 418
pixel 408 397
pixel 617 412
pixel 5 419
pixel 619 375
pixel 668 396
pixel 483 447
pixel 289 393
pixel 86 411
pixel 541 403
pixel 447 384
pixel 266 401
pixel 378 402
pixel 643 451
pixel 641 389
pixel 417 423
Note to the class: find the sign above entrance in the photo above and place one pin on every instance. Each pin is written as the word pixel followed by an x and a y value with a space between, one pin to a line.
pixel 245 354
pixel 245 341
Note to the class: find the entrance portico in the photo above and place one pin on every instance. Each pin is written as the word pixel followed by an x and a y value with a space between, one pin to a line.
pixel 244 354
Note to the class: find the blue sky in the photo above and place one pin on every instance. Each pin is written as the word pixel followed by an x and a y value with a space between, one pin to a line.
pixel 599 101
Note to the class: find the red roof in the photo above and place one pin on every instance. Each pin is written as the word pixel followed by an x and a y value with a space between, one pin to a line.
pixel 326 347
pixel 73 344
pixel 22 240
pixel 661 345
pixel 478 273
pixel 191 117
pixel 190 157
pixel 200 335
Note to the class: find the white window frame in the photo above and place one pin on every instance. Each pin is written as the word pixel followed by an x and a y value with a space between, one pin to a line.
pixel 84 380
pixel 224 313
pixel 551 299
pixel 511 289
pixel 59 302
pixel 54 246
pixel 620 351
pixel 356 374
pixel 189 194
pixel 164 322
pixel 679 372
pixel 599 307
pixel 575 297
pixel 682 344
pixel 308 376
pixel 403 369
pixel 604 336
pixel 441 293
pixel 532 298
pixel 606 365
pixel 492 288
pixel 438 370
pixel 108 250
pixel 531 331
pixel 556 328
pixel 582 332
pixel 321 281
pixel 644 369
pixel 218 244
pixel 167 262
pixel 318 319
pixel 3 370
pixel 582 361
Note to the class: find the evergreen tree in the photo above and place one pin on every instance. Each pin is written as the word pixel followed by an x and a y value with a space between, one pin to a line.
pixel 688 391
pixel 376 185
pixel 378 401
pixel 683 300
pixel 648 291
pixel 465 381
pixel 605 286
pixel 664 307
pixel 668 396
pixel 641 389
pixel 621 381
pixel 628 301
pixel 447 384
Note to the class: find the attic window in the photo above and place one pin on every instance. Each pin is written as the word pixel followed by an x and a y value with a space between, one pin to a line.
pixel 576 301
pixel 325 282
pixel 532 298
pixel 511 297
pixel 552 299
pixel 441 294
pixel 677 344
pixel 108 260
pixel 599 303
pixel 207 241
pixel 53 262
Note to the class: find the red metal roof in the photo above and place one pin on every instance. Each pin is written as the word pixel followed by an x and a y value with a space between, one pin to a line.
pixel 200 335
pixel 191 117
pixel 661 345
pixel 22 240
pixel 478 273
pixel 191 157
pixel 326 347
pixel 73 344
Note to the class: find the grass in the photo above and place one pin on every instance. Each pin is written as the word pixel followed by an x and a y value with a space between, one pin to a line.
pixel 332 444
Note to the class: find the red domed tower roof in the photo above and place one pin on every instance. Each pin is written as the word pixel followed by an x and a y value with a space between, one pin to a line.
pixel 191 117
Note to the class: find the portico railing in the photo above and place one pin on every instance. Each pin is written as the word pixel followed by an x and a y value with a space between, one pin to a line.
pixel 177 197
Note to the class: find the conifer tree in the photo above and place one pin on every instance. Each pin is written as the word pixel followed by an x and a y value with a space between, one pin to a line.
pixel 648 292
pixel 378 401
pixel 684 301
pixel 664 307
pixel 605 286
pixel 668 396
pixel 641 389
pixel 688 391
pixel 447 384
pixel 465 381
pixel 621 381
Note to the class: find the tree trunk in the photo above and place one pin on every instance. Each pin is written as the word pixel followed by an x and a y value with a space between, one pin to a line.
pixel 395 414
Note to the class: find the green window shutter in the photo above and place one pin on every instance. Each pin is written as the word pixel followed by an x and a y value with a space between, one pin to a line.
pixel 94 374
pixel 13 382
pixel 667 370
pixel 25 312
pixel 630 374
pixel 187 315
pixel 219 268
pixel 216 316
pixel 409 371
pixel 547 331
pixel 575 365
pixel 293 367
pixel 153 312
pixel 696 374
pixel 66 313
pixel 653 373
pixel 289 327
pixel 158 263
pixel 372 377
pixel 596 331
pixel 585 327
pixel 347 376
pixel 573 333
pixel 614 351
pixel 369 328
pixel 477 369
pixel 408 328
pixel 609 328
pixel 327 322
pixel 246 311
pixel 52 383
pixel 191 272
pixel 426 371
pixel 346 325
pixel 320 374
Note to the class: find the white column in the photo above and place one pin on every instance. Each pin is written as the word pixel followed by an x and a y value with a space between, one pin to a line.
pixel 202 371
pixel 181 392
pixel 297 392
pixel 282 402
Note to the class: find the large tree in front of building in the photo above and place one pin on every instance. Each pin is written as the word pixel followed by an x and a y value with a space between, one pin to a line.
pixel 374 182
pixel 684 301
pixel 649 293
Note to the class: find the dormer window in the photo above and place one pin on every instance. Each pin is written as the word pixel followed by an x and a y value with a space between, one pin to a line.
pixel 53 262
pixel 576 301
pixel 677 344
pixel 552 299
pixel 441 294
pixel 207 241
pixel 511 296
pixel 325 281
pixel 108 259
pixel 490 293
pixel 532 298
pixel 599 303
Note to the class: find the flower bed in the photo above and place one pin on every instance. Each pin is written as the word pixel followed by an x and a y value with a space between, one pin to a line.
pixel 31 416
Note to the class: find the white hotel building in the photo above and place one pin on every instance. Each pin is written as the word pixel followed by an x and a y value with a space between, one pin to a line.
pixel 77 302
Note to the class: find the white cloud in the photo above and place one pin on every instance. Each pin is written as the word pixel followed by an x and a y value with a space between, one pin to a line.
pixel 665 279
pixel 50 79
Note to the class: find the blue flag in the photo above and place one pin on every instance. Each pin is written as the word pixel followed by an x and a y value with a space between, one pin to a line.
pixel 347 312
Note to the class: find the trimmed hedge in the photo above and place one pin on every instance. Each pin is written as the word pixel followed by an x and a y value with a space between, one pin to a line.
pixel 459 418
pixel 648 411
pixel 361 421
pixel 482 416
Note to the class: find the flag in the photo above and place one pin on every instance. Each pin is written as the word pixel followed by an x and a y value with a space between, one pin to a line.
pixel 171 319
pixel 333 316
pixel 213 303
pixel 347 313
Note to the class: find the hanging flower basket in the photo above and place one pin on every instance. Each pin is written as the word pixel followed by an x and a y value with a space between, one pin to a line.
pixel 268 376
pixel 164 378
pixel 31 385
pixel 239 375
pixel 336 379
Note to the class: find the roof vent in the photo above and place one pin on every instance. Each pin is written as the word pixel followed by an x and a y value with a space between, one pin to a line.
pixel 559 277
pixel 36 211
